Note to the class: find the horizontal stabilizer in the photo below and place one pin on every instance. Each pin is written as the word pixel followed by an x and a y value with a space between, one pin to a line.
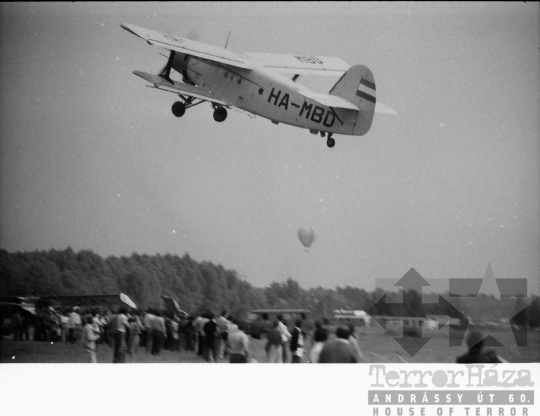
pixel 384 109
pixel 181 87
pixel 329 100
pixel 187 46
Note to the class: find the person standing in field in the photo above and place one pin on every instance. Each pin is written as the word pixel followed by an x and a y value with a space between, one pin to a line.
pixel 211 337
pixel 237 344
pixel 285 336
pixel 142 335
pixel 319 338
pixel 122 329
pixel 111 328
pixel 158 325
pixel 63 325
pixel 96 322
pixel 134 337
pixel 198 324
pixel 297 342
pixel 274 345
pixel 338 350
pixel 189 334
pixel 223 329
pixel 353 340
pixel 149 330
pixel 74 321
pixel 89 338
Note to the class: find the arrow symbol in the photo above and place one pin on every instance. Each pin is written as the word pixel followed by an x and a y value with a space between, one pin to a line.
pixel 455 335
pixel 412 344
pixel 379 308
pixel 412 281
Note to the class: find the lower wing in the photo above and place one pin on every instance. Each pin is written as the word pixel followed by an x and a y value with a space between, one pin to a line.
pixel 181 87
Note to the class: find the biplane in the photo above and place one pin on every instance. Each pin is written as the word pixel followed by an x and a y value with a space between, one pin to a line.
pixel 265 85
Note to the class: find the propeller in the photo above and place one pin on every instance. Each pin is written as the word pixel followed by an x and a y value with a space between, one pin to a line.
pixel 165 72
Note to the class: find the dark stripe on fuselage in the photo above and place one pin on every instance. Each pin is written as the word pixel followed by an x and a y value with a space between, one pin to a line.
pixel 367 83
pixel 368 97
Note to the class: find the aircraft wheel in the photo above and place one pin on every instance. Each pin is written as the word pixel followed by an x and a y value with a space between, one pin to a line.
pixel 178 109
pixel 220 114
pixel 330 142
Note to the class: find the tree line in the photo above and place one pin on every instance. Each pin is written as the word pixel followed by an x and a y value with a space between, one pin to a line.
pixel 203 286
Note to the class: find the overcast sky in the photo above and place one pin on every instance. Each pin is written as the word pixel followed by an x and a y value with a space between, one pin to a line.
pixel 92 159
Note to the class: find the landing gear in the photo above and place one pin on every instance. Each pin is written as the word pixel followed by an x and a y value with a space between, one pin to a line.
pixel 220 114
pixel 330 142
pixel 178 109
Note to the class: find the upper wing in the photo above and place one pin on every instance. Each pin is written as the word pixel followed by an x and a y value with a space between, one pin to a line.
pixel 176 86
pixel 187 46
pixel 299 64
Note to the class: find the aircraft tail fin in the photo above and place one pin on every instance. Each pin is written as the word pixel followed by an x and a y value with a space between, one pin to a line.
pixel 357 86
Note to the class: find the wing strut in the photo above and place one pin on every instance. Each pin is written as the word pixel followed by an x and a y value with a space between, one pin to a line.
pixel 166 71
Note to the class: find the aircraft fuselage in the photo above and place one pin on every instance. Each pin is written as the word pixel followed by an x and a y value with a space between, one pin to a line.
pixel 266 94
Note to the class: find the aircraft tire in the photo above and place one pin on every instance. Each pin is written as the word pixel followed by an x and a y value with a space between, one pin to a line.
pixel 178 109
pixel 220 114
pixel 330 142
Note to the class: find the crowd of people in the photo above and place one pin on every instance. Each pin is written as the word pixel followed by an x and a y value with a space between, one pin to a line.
pixel 297 346
pixel 214 339
pixel 211 338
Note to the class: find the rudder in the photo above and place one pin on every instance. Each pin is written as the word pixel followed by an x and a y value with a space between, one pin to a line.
pixel 357 86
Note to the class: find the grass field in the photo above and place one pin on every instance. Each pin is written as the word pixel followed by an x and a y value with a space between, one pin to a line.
pixel 376 347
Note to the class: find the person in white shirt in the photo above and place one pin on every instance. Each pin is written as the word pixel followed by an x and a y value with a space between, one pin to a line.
pixel 285 336
pixel 223 329
pixel 198 324
pixel 238 344
pixel 149 330
pixel 134 337
pixel 89 337
pixel 73 325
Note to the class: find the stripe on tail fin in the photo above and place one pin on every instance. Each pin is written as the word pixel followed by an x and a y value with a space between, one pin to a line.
pixel 366 90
